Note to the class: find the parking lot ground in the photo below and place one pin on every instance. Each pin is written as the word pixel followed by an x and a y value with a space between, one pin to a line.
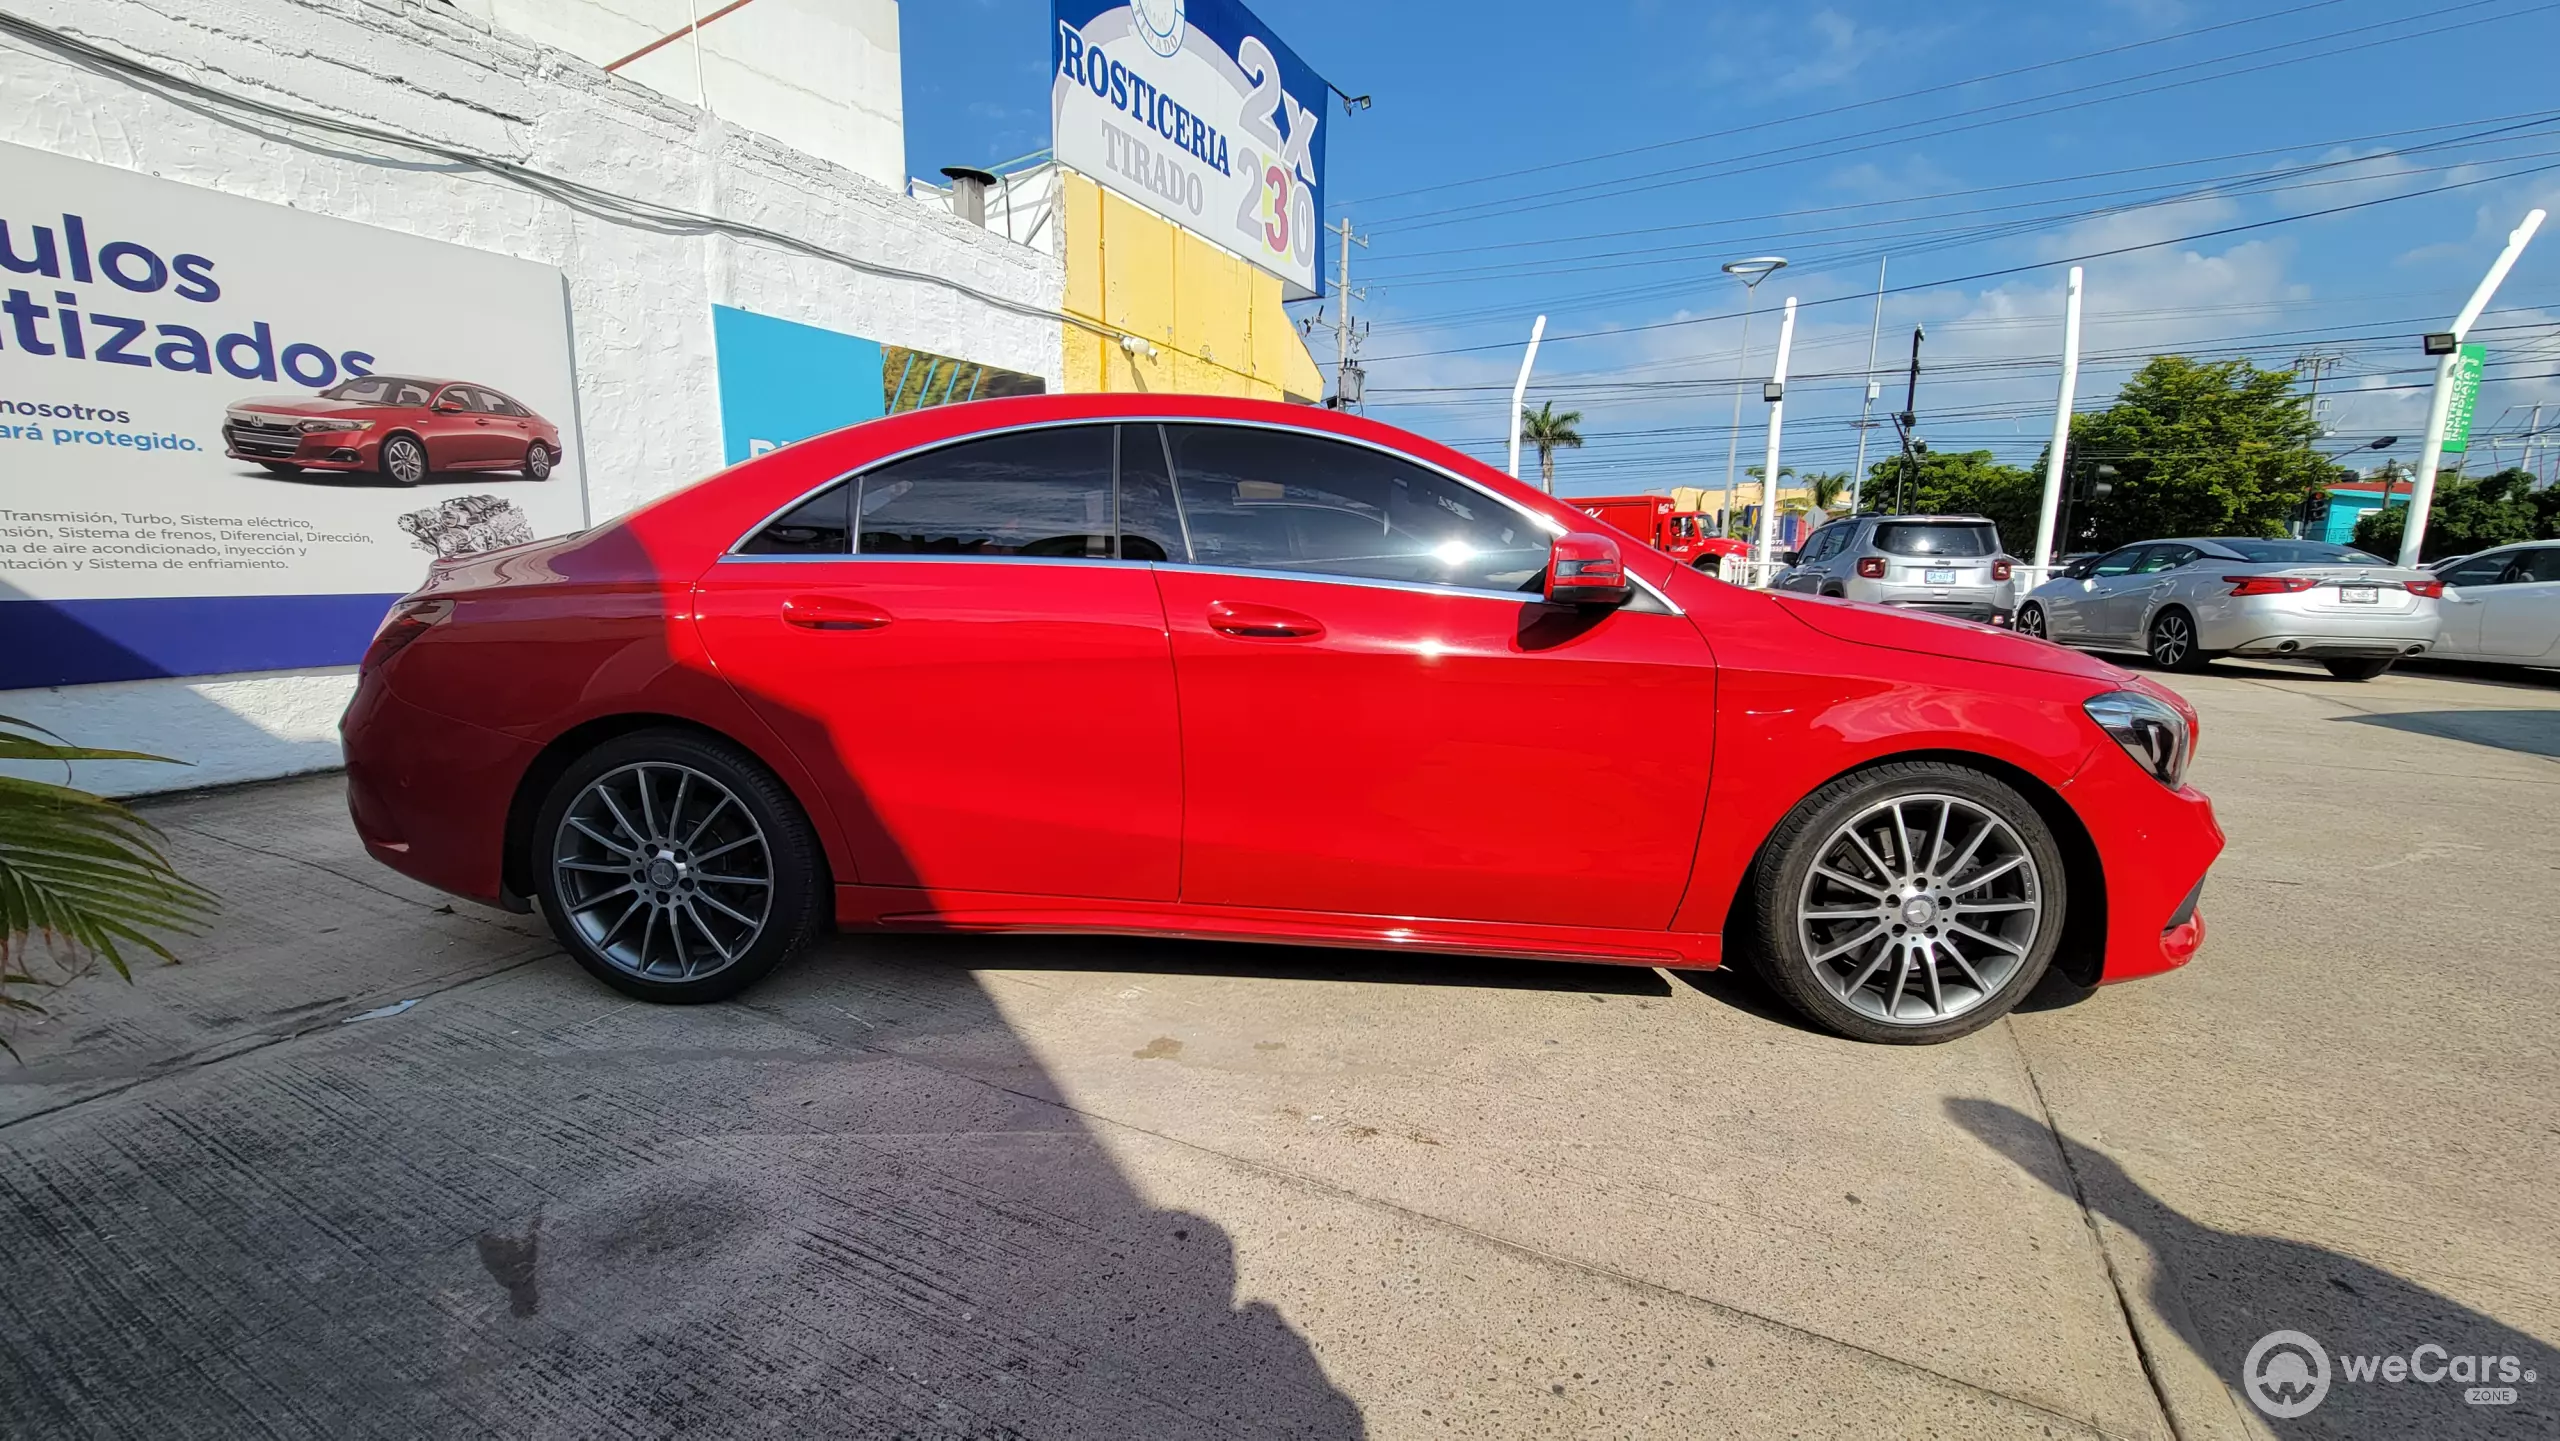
pixel 977 1187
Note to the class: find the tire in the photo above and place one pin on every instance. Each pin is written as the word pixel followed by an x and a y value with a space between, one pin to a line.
pixel 278 467
pixel 691 869
pixel 404 459
pixel 2031 621
pixel 2003 870
pixel 2356 669
pixel 2172 641
pixel 537 462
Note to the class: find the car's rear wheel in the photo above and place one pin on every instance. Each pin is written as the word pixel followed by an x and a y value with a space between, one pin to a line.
pixel 1909 903
pixel 537 461
pixel 674 867
pixel 404 460
pixel 279 467
pixel 2172 641
pixel 2359 669
pixel 2031 620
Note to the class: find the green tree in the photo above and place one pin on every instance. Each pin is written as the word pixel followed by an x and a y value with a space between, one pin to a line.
pixel 81 877
pixel 2466 515
pixel 1547 431
pixel 1968 482
pixel 1823 489
pixel 2199 448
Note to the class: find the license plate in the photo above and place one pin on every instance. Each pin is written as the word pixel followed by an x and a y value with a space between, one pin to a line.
pixel 2360 594
pixel 1942 577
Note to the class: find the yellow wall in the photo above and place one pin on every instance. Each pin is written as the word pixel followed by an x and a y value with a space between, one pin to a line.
pixel 1216 322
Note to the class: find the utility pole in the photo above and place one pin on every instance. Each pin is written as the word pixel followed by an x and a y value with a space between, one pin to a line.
pixel 1907 418
pixel 2316 363
pixel 1776 394
pixel 1875 331
pixel 1347 377
pixel 2043 558
pixel 2422 492
pixel 2533 446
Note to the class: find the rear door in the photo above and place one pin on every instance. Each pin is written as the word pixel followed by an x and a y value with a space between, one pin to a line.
pixel 2129 608
pixel 2521 618
pixel 1382 717
pixel 956 645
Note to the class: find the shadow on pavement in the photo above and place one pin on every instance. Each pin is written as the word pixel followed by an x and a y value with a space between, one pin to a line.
pixel 2224 1290
pixel 2533 732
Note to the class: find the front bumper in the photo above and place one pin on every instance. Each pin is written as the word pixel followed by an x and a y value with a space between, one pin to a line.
pixel 2154 847
pixel 322 450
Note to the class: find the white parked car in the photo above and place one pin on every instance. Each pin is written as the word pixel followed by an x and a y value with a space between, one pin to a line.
pixel 2185 601
pixel 2503 605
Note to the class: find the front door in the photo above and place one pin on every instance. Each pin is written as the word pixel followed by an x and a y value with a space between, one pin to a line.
pixel 2522 618
pixel 2085 611
pixel 1381 717
pixel 984 687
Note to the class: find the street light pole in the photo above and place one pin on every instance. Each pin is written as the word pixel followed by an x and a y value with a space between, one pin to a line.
pixel 1909 419
pixel 2422 492
pixel 1750 272
pixel 2043 558
pixel 1776 391
pixel 1520 391
pixel 1866 410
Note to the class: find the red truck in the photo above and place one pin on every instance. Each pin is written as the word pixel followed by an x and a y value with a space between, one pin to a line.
pixel 1659 522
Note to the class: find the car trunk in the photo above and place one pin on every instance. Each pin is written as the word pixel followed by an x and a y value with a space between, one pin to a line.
pixel 2353 589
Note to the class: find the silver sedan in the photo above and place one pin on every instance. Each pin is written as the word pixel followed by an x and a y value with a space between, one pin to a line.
pixel 2185 601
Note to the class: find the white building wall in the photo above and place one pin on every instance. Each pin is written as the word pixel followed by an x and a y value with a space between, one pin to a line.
pixel 640 291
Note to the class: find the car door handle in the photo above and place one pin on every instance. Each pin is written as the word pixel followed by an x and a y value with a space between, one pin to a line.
pixel 1261 622
pixel 831 612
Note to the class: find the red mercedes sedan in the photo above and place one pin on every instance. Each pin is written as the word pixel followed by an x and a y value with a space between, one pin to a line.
pixel 1187 666
pixel 402 427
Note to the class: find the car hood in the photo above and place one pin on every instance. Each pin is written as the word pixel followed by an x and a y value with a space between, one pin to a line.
pixel 305 405
pixel 1921 633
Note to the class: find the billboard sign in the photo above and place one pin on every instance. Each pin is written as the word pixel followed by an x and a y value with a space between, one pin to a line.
pixel 2468 362
pixel 231 433
pixel 1194 109
pixel 782 380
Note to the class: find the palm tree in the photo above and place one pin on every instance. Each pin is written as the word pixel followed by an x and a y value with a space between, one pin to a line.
pixel 1823 489
pixel 1547 430
pixel 78 872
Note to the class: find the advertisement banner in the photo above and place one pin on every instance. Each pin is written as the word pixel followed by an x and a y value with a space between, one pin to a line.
pixel 1194 109
pixel 783 380
pixel 232 432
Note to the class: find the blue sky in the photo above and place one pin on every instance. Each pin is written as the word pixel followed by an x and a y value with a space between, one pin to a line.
pixel 1480 175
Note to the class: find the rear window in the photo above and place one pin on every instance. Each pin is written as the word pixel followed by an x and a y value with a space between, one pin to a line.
pixel 2298 552
pixel 1910 539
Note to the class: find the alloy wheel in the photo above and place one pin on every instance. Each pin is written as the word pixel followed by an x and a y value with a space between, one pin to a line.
pixel 663 871
pixel 537 462
pixel 1920 909
pixel 2031 621
pixel 405 459
pixel 2172 638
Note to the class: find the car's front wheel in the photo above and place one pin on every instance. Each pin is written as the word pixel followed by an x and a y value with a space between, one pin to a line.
pixel 1908 903
pixel 675 867
pixel 404 460
pixel 2031 620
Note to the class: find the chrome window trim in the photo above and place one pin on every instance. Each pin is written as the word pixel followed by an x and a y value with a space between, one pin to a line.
pixel 1417 587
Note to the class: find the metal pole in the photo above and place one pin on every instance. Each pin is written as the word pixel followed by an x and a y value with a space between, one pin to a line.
pixel 1875 332
pixel 2422 493
pixel 1769 468
pixel 1520 391
pixel 1909 420
pixel 701 87
pixel 2043 557
pixel 1733 442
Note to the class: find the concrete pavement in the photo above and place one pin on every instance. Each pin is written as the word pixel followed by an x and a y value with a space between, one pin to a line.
pixel 980 1187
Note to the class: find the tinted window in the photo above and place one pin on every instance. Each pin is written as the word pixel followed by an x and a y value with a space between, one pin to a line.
pixel 2164 557
pixel 2480 570
pixel 1274 500
pixel 2117 562
pixel 1911 539
pixel 1033 492
pixel 407 392
pixel 2540 565
pixel 815 526
pixel 2298 552
pixel 1150 526
pixel 501 404
pixel 374 388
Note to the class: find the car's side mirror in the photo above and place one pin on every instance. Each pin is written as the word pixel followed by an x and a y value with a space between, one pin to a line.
pixel 1790 557
pixel 1586 569
pixel 2078 570
pixel 448 407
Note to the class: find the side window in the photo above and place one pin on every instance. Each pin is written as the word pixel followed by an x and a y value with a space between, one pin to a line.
pixel 501 405
pixel 2117 562
pixel 1278 500
pixel 1150 523
pixel 2540 565
pixel 815 526
pixel 407 392
pixel 1031 492
pixel 2480 570
pixel 2164 557
pixel 458 395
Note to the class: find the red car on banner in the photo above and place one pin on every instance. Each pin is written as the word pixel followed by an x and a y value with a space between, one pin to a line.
pixel 403 427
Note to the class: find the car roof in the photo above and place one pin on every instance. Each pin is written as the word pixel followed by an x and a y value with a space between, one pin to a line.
pixel 1930 519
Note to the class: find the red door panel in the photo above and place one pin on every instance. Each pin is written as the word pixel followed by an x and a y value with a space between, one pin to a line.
pixel 1395 752
pixel 1002 726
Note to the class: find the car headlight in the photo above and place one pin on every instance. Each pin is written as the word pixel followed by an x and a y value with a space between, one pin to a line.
pixel 314 427
pixel 2150 730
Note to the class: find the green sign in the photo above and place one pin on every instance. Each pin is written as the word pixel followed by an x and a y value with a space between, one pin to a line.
pixel 2466 395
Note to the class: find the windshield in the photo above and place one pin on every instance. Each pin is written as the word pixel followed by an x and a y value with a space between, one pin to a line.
pixel 2298 552
pixel 1938 539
